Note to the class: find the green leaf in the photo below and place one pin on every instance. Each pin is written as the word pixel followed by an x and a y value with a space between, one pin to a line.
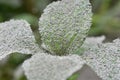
pixel 64 25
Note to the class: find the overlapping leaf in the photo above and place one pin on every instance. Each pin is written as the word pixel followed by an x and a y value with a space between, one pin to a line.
pixel 103 58
pixel 16 36
pixel 47 67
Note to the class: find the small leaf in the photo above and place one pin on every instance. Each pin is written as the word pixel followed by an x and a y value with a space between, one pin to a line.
pixel 74 76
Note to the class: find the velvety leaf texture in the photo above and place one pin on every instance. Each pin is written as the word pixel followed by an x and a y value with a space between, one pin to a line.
pixel 16 36
pixel 104 58
pixel 47 67
pixel 64 25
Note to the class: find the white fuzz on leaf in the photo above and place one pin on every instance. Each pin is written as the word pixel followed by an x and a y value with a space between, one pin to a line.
pixel 103 58
pixel 64 25
pixel 47 67
pixel 16 36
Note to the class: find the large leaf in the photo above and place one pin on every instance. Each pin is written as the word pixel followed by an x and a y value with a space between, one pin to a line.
pixel 16 36
pixel 103 58
pixel 47 67
pixel 64 25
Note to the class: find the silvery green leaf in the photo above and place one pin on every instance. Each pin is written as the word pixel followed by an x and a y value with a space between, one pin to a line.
pixel 48 67
pixel 104 59
pixel 16 36
pixel 64 25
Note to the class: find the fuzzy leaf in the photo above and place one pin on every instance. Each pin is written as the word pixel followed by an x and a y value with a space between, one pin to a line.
pixel 64 25
pixel 47 67
pixel 16 36
pixel 104 58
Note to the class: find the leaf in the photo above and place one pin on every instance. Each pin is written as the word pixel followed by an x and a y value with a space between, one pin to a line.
pixel 44 66
pixel 64 25
pixel 104 59
pixel 73 77
pixel 16 36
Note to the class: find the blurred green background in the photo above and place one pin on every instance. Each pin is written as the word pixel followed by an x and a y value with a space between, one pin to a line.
pixel 106 21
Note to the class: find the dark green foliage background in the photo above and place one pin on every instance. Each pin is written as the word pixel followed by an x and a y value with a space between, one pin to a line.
pixel 106 21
